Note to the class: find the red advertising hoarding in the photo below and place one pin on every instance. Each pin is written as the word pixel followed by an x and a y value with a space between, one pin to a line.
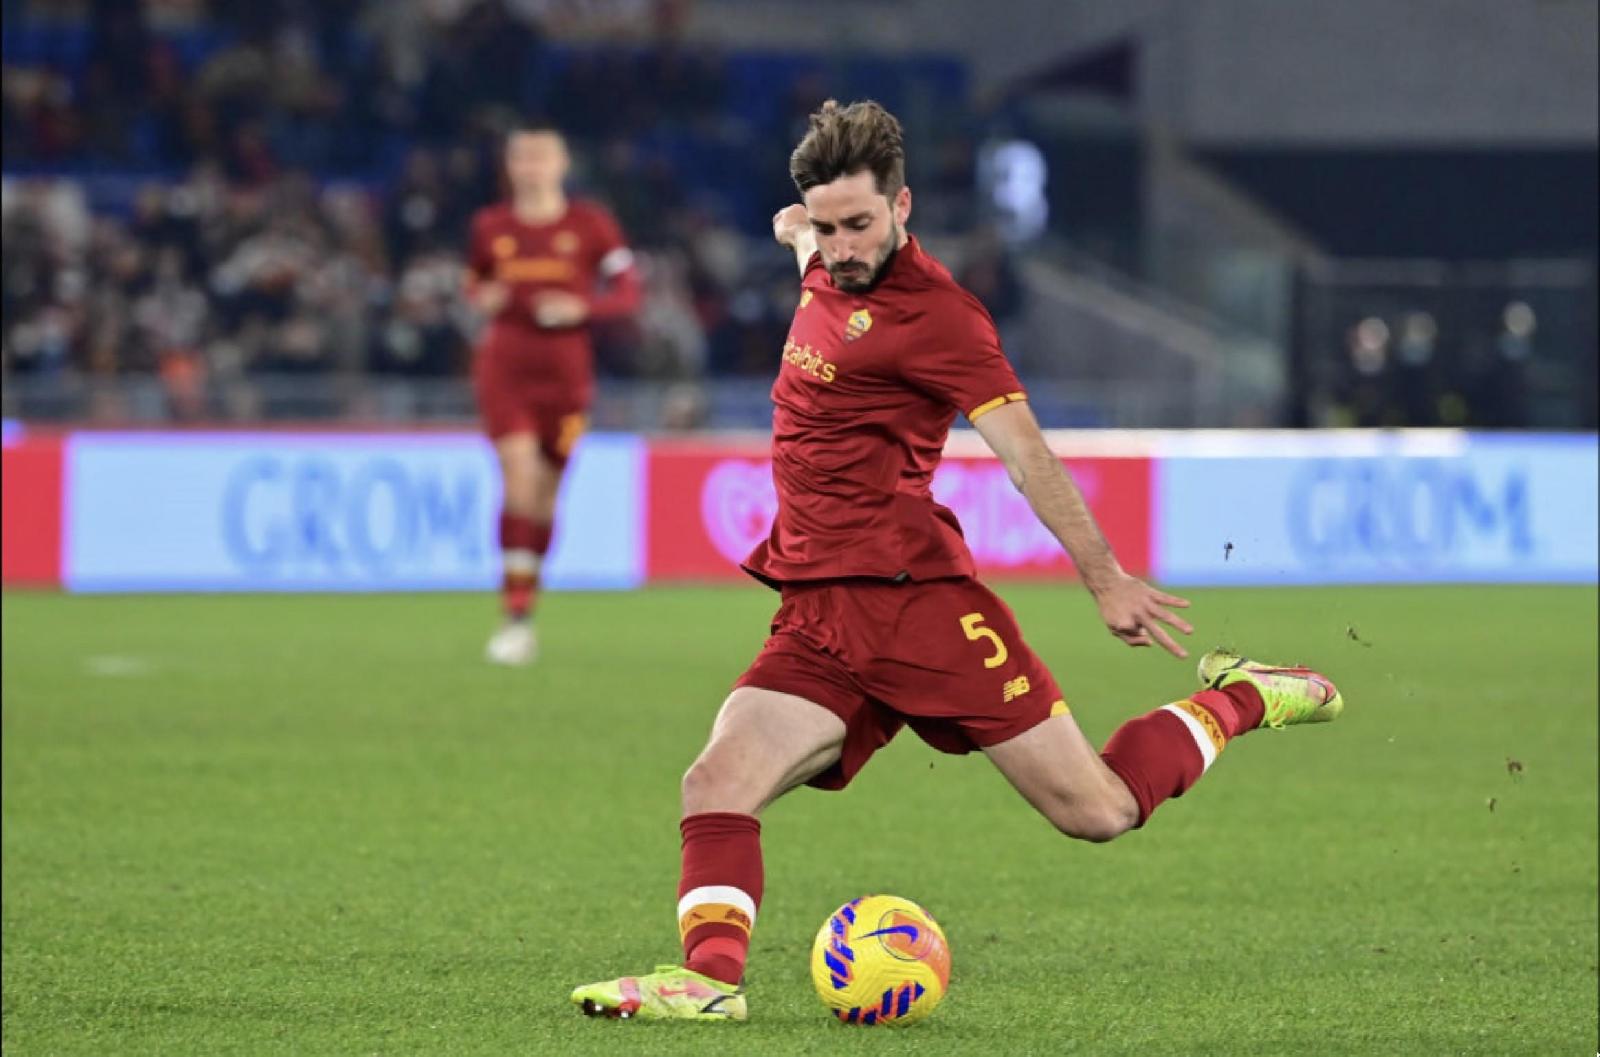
pixel 30 511
pixel 709 504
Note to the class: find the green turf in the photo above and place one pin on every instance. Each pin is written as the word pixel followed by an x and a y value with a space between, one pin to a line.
pixel 321 826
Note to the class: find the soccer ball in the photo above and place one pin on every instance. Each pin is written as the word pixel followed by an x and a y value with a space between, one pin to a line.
pixel 880 960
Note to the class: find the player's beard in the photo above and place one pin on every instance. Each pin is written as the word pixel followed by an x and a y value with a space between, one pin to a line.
pixel 862 276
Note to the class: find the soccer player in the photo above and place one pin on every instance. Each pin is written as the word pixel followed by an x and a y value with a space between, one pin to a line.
pixel 881 623
pixel 542 267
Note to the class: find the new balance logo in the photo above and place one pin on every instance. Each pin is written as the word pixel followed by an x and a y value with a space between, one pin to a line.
pixel 1014 688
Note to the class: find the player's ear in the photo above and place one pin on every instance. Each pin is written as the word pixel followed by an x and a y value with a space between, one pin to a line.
pixel 901 206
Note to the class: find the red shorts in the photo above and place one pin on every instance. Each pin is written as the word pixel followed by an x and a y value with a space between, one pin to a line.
pixel 510 400
pixel 942 656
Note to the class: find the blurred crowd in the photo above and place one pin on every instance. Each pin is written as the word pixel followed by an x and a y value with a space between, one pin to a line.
pixel 210 282
pixel 230 209
pixel 1483 347
pixel 309 173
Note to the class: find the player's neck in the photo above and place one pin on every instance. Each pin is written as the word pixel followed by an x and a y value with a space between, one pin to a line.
pixel 539 207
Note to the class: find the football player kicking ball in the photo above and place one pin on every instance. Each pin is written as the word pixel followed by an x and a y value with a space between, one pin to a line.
pixel 542 268
pixel 882 623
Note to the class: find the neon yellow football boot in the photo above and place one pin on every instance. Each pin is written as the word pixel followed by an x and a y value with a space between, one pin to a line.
pixel 669 993
pixel 1291 695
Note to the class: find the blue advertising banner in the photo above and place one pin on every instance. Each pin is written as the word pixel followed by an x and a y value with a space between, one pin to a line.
pixel 1495 507
pixel 330 512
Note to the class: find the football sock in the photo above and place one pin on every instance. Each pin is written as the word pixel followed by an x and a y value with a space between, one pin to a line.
pixel 523 544
pixel 1162 753
pixel 719 892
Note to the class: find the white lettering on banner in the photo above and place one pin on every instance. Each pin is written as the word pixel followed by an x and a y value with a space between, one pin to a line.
pixel 377 516
pixel 339 512
pixel 1416 512
pixel 1513 508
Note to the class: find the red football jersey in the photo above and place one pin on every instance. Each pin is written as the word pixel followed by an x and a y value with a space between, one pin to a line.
pixel 574 254
pixel 866 391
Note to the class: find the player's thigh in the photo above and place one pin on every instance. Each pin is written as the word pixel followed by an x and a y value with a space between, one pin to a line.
pixel 560 427
pixel 763 744
pixel 518 454
pixel 1058 771
pixel 545 484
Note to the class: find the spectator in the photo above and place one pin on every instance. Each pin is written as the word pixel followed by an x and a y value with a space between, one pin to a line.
pixel 215 286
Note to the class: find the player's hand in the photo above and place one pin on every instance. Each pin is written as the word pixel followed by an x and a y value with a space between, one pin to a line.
pixel 789 222
pixel 490 297
pixel 1135 613
pixel 557 308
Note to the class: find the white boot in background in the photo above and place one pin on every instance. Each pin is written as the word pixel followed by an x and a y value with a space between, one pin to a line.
pixel 514 644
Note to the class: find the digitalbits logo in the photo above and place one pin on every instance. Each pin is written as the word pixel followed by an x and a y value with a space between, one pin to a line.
pixel 737 505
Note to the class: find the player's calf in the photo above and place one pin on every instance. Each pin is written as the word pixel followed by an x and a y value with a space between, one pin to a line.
pixel 1057 771
pixel 1097 822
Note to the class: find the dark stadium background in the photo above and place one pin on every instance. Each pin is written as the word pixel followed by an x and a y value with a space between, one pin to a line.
pixel 226 211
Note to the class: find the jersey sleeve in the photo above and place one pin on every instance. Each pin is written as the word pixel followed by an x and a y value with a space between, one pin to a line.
pixel 955 357
pixel 618 292
pixel 608 247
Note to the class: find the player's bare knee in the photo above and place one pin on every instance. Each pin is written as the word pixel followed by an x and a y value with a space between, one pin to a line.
pixel 1096 822
pixel 544 489
pixel 699 783
pixel 542 508
pixel 709 785
pixel 517 497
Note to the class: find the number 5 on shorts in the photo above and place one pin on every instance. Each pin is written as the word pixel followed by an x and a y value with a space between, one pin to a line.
pixel 972 624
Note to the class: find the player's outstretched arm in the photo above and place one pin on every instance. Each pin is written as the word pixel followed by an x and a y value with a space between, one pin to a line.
pixel 791 226
pixel 1131 608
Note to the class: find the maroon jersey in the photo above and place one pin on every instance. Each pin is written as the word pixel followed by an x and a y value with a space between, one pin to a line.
pixel 866 392
pixel 576 254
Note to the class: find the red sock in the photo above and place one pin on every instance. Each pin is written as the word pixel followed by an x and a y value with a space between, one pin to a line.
pixel 523 543
pixel 539 538
pixel 719 892
pixel 1162 753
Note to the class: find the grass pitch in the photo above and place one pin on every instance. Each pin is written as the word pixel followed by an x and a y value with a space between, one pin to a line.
pixel 322 826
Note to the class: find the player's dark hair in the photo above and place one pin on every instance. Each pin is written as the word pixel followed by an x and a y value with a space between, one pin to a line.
pixel 534 127
pixel 848 139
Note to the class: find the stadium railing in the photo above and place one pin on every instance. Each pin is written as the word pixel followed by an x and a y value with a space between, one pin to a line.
pixel 69 398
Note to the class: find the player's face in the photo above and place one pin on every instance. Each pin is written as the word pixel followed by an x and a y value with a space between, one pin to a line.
pixel 536 162
pixel 856 227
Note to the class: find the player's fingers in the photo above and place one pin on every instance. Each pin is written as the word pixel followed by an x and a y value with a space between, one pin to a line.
pixel 1133 638
pixel 1168 617
pixel 1161 636
pixel 1171 600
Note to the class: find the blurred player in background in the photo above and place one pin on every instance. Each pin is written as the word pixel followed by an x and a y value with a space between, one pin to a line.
pixel 542 268
pixel 883 623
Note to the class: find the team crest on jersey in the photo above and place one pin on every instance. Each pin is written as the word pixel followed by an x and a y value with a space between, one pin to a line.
pixel 805 298
pixel 503 246
pixel 564 242
pixel 859 323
